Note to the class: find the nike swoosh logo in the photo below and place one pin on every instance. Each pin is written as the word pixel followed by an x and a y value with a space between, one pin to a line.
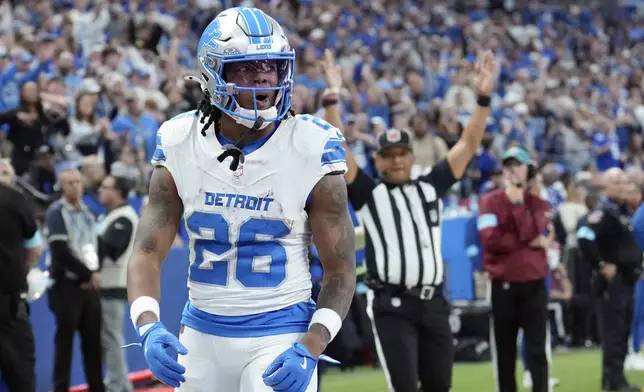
pixel 303 364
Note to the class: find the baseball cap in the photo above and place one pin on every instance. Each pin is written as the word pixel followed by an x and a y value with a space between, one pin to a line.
pixel 26 57
pixel 518 154
pixel 88 86
pixel 394 138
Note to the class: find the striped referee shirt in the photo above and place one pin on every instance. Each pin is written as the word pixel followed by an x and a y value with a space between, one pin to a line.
pixel 402 226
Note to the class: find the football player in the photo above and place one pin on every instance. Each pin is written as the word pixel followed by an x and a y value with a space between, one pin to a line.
pixel 254 183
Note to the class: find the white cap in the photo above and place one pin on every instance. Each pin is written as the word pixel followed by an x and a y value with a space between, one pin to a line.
pixel 317 34
pixel 89 86
pixel 326 17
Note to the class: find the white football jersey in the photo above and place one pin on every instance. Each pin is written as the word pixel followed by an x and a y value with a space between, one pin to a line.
pixel 249 231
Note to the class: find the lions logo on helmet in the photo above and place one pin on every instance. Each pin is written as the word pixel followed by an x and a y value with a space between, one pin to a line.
pixel 239 35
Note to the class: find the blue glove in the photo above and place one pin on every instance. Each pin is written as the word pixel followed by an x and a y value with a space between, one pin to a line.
pixel 292 370
pixel 156 339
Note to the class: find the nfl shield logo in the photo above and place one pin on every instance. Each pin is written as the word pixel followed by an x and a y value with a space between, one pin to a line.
pixel 239 171
pixel 393 136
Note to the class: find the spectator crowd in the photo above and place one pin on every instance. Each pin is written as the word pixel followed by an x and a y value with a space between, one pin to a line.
pixel 87 83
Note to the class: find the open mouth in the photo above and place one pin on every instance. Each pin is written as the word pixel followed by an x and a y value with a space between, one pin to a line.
pixel 261 100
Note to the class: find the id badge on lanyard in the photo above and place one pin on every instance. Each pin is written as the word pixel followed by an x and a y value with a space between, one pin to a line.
pixel 90 256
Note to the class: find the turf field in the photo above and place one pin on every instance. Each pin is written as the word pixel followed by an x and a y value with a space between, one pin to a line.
pixel 579 371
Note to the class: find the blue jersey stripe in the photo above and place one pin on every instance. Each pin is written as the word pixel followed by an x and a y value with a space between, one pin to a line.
pixel 292 319
pixel 252 24
pixel 333 156
pixel 332 162
pixel 333 144
pixel 264 26
pixel 158 154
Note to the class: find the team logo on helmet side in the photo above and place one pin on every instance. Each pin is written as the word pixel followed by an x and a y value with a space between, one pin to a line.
pixel 212 34
pixel 393 136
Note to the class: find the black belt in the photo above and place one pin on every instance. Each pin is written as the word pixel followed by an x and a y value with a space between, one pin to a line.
pixel 425 292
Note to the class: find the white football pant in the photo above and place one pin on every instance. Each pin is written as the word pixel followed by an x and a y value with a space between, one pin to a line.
pixel 221 364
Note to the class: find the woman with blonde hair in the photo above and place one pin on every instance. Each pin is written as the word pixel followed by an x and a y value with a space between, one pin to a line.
pixel 571 210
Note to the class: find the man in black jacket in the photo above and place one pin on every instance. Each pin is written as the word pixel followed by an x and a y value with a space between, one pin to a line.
pixel 74 298
pixel 607 243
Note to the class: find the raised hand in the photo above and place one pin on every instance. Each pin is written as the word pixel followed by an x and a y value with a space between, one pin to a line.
pixel 487 72
pixel 332 71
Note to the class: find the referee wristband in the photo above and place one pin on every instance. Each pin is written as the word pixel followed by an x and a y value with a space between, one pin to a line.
pixel 142 305
pixel 329 102
pixel 484 101
pixel 329 318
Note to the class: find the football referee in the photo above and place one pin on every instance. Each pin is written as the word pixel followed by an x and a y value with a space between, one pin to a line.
pixel 401 216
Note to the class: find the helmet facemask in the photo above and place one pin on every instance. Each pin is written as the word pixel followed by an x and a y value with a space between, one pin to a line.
pixel 243 84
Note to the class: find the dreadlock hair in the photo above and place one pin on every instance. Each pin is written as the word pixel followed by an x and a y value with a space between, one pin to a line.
pixel 212 114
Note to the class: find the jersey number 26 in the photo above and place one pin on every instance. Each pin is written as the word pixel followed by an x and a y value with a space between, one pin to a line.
pixel 217 228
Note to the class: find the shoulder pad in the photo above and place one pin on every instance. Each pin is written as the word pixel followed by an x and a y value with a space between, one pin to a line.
pixel 321 142
pixel 308 126
pixel 313 124
pixel 175 130
pixel 312 133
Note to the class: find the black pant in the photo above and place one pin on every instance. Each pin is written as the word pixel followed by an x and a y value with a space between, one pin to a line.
pixel 17 350
pixel 414 341
pixel 76 309
pixel 614 317
pixel 519 305
pixel 581 311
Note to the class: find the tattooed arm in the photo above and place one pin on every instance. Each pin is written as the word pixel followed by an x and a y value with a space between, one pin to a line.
pixel 154 237
pixel 334 237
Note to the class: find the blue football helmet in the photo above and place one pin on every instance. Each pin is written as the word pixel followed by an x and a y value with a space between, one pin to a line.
pixel 245 35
